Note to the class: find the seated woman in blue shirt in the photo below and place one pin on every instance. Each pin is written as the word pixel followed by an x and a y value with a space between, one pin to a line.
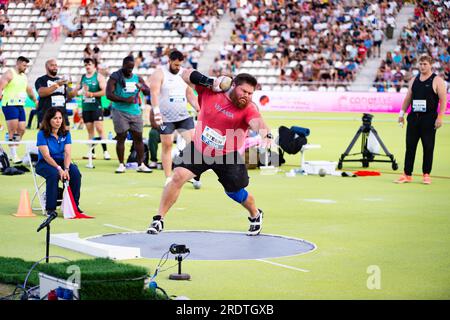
pixel 54 158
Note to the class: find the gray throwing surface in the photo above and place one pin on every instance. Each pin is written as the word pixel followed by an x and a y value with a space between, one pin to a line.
pixel 210 245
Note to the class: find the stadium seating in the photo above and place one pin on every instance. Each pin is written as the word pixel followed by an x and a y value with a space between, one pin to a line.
pixel 20 17
pixel 150 32
pixel 413 41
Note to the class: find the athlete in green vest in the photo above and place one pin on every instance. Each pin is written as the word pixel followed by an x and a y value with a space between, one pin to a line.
pixel 14 90
pixel 123 89
pixel 92 87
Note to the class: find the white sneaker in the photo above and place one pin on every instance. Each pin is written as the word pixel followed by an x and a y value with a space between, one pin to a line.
pixel 197 184
pixel 106 155
pixel 87 156
pixel 144 168
pixel 16 159
pixel 121 168
pixel 168 179
pixel 153 165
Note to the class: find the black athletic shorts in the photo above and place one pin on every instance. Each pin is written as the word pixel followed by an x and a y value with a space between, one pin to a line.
pixel 230 168
pixel 182 125
pixel 91 116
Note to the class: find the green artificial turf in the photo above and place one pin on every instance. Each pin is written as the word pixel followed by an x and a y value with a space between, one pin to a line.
pixel 357 223
pixel 101 279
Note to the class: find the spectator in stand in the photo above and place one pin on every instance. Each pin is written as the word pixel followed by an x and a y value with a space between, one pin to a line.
pixel 398 78
pixel 362 51
pixel 55 27
pixel 32 31
pixel 2 59
pixel 4 5
pixel 2 26
pixel 9 31
pixel 132 30
pixel 87 52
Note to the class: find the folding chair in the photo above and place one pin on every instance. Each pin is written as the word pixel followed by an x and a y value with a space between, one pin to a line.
pixel 39 187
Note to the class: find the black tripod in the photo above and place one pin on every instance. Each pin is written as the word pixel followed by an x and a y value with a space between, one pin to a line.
pixel 179 275
pixel 367 156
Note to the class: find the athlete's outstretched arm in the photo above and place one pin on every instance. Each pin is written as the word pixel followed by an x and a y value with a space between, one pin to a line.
pixel 260 126
pixel 193 77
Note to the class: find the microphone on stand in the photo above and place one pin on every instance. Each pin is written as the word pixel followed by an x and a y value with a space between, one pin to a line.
pixel 51 216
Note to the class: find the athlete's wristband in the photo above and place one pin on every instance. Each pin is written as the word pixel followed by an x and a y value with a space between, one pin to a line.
pixel 440 116
pixel 156 110
pixel 401 114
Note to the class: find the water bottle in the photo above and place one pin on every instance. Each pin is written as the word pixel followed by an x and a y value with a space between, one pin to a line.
pixel 110 136
pixel 7 136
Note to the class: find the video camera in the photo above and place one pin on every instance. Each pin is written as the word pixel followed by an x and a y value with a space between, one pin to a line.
pixel 367 121
pixel 178 249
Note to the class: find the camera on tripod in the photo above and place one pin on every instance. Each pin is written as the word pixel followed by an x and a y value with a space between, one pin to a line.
pixel 365 131
pixel 178 249
pixel 367 121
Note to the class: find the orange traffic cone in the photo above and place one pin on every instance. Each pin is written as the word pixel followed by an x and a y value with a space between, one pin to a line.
pixel 24 209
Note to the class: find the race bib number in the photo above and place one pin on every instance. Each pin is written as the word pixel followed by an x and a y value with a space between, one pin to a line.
pixel 88 100
pixel 213 138
pixel 58 101
pixel 177 99
pixel 19 100
pixel 419 105
pixel 130 87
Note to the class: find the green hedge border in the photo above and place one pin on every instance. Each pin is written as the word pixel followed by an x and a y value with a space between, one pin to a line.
pixel 101 279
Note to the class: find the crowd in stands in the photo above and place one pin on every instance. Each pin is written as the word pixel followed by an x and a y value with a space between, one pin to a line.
pixel 205 15
pixel 308 41
pixel 305 42
pixel 426 33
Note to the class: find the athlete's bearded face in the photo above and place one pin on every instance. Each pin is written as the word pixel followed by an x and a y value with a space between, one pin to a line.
pixel 22 66
pixel 52 68
pixel 241 95
pixel 175 66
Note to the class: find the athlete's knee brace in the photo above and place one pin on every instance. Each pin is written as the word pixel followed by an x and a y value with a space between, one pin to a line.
pixel 239 196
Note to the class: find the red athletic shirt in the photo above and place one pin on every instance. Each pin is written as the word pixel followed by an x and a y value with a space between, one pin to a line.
pixel 221 127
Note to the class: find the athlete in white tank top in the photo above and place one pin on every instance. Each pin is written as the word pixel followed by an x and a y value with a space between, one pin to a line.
pixel 169 98
pixel 172 96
